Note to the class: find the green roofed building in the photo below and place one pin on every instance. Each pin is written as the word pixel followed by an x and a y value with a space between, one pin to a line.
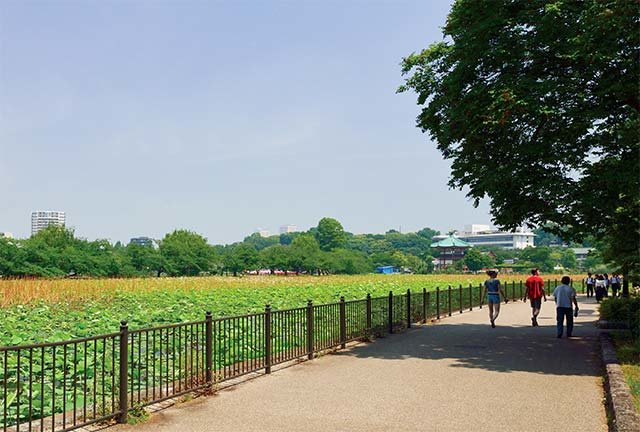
pixel 451 249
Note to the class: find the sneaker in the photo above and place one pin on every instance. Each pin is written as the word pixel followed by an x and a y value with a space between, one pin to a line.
pixel 493 324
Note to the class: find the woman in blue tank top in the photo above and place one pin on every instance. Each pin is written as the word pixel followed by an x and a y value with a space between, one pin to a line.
pixel 493 290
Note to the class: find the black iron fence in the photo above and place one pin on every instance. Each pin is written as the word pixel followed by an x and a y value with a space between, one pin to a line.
pixel 66 385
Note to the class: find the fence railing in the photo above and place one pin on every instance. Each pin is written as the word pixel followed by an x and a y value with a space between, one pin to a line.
pixel 66 385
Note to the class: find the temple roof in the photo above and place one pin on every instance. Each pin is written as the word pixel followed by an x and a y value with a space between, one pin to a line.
pixel 451 241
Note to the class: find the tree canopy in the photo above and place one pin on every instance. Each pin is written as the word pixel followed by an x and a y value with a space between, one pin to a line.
pixel 330 234
pixel 536 104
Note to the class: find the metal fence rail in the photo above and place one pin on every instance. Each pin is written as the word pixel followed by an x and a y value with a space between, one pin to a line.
pixel 65 385
pixel 61 385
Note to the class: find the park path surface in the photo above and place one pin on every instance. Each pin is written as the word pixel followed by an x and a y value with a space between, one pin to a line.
pixel 457 375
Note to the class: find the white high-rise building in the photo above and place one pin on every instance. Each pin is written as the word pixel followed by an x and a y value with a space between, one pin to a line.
pixel 42 219
pixel 484 235
pixel 288 229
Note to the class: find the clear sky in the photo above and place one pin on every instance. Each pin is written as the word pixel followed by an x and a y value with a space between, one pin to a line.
pixel 139 117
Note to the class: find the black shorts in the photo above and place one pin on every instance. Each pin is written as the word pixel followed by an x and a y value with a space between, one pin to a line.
pixel 536 303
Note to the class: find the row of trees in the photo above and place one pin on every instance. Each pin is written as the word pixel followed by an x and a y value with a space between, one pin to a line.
pixel 324 249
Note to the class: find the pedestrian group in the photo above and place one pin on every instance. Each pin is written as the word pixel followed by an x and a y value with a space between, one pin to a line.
pixel 599 285
pixel 564 296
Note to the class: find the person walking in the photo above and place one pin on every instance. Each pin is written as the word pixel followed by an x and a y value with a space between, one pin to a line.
pixel 607 284
pixel 590 281
pixel 493 290
pixel 615 284
pixel 535 292
pixel 565 296
pixel 601 287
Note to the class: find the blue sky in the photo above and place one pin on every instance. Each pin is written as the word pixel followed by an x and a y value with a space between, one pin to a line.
pixel 139 117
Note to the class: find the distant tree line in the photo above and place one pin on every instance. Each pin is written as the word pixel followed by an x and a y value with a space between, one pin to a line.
pixel 324 249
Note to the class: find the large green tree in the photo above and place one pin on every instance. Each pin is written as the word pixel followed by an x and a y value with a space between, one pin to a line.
pixel 186 253
pixel 145 259
pixel 330 234
pixel 536 104
pixel 476 260
pixel 305 254
pixel 276 257
pixel 241 257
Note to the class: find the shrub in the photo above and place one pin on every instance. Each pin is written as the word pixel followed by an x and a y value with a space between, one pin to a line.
pixel 623 309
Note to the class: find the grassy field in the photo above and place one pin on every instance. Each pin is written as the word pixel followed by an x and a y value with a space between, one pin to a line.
pixel 44 310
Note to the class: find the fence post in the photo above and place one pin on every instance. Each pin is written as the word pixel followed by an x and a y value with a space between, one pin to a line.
pixel 424 305
pixel 582 285
pixel 521 290
pixel 267 339
pixel 310 329
pixel 124 372
pixel 480 296
pixel 449 295
pixel 437 302
pixel 343 324
pixel 470 297
pixel 390 323
pixel 460 296
pixel 209 347
pixel 369 314
pixel 513 290
pixel 408 308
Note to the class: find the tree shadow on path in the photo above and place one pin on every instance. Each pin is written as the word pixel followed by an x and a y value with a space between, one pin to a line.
pixel 503 349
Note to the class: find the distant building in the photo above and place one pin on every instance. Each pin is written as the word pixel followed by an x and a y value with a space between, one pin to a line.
pixel 451 249
pixel 288 229
pixel 386 269
pixel 263 233
pixel 581 254
pixel 42 219
pixel 6 235
pixel 142 241
pixel 483 235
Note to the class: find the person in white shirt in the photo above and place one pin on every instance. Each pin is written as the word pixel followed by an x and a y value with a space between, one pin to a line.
pixel 565 296
pixel 590 283
pixel 601 288
pixel 615 284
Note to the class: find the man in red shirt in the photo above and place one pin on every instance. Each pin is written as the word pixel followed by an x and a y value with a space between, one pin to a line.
pixel 535 292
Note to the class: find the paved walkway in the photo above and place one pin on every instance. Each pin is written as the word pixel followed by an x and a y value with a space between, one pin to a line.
pixel 457 375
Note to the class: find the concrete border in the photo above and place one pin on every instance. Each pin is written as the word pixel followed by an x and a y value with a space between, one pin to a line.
pixel 625 418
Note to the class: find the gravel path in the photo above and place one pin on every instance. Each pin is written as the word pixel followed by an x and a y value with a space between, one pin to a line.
pixel 457 375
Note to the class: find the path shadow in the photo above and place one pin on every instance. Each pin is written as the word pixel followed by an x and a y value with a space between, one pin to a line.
pixel 503 349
